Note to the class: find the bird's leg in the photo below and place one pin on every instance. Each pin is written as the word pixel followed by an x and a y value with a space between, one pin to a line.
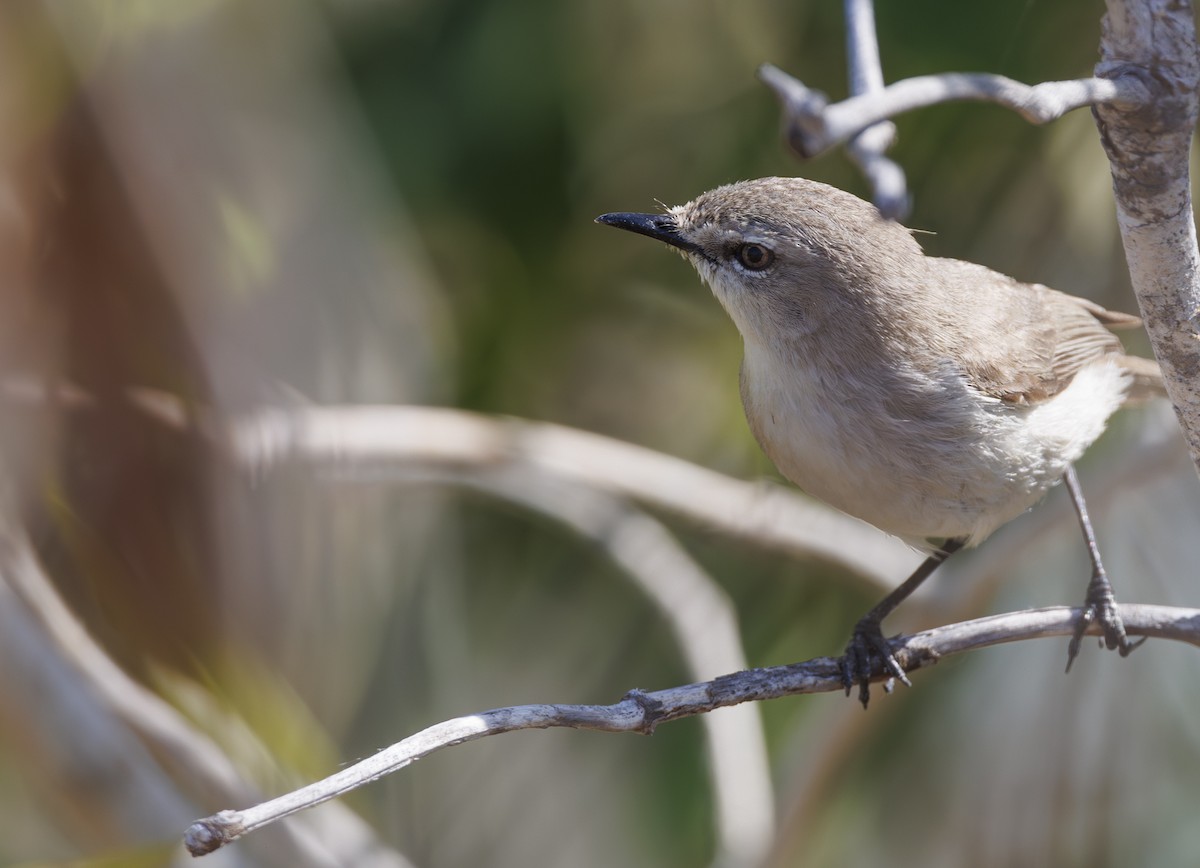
pixel 1099 604
pixel 867 643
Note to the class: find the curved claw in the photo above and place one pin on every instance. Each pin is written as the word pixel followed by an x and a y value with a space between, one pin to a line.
pixel 1081 628
pixel 866 647
pixel 1101 607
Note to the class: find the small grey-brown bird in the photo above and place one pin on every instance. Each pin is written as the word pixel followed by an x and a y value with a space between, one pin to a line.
pixel 934 398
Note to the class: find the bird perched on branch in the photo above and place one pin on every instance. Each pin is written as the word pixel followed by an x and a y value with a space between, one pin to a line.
pixel 934 398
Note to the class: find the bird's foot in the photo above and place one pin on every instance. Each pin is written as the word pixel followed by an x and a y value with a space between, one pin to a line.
pixel 867 646
pixel 1100 606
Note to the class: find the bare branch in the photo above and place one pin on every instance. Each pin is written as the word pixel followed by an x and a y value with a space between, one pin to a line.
pixel 641 712
pixel 813 125
pixel 373 443
pixel 1148 146
pixel 867 149
pixel 379 443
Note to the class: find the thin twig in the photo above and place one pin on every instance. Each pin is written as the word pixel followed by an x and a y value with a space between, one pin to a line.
pixel 814 125
pixel 642 712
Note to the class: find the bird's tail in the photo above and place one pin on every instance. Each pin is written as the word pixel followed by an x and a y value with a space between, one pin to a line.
pixel 1146 380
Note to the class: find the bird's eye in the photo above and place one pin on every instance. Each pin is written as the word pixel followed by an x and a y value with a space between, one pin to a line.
pixel 754 257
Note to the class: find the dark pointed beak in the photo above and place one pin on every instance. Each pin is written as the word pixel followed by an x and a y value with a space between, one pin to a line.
pixel 659 226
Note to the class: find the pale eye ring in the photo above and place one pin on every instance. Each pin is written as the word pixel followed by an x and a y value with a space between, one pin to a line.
pixel 754 257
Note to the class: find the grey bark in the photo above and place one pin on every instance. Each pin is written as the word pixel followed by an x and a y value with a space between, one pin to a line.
pixel 1148 146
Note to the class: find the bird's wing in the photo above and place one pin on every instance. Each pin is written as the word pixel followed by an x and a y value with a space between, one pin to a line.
pixel 1048 336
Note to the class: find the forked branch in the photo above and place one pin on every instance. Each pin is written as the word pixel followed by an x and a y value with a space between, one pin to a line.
pixel 814 125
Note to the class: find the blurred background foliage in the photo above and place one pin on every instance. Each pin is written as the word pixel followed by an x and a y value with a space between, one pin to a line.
pixel 391 201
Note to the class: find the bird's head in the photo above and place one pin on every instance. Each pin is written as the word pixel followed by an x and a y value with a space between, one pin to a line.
pixel 782 255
